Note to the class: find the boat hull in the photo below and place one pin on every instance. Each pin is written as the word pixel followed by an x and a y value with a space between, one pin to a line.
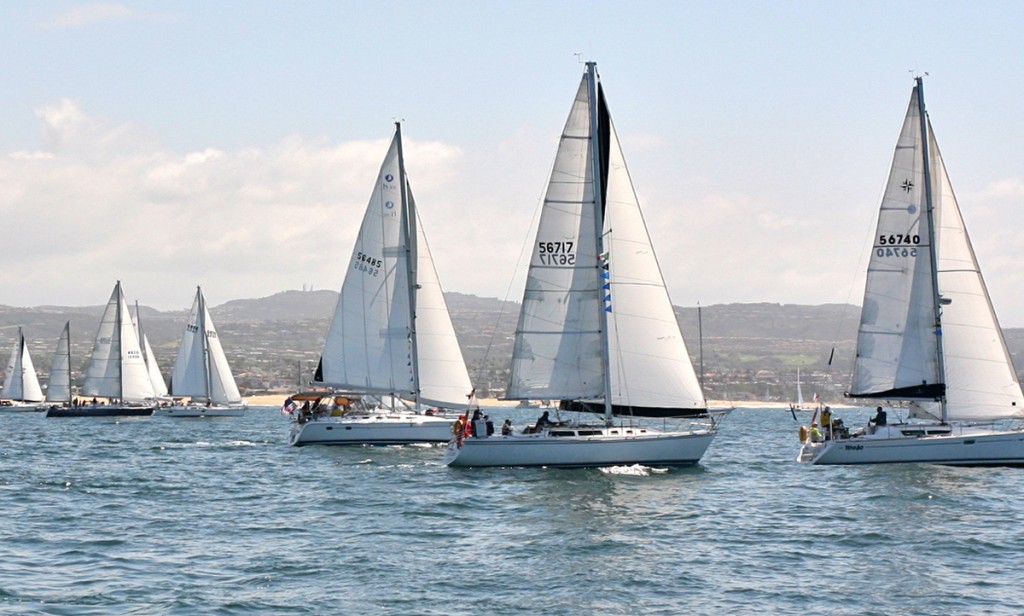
pixel 374 429
pixel 111 410
pixel 599 447
pixel 962 447
pixel 199 411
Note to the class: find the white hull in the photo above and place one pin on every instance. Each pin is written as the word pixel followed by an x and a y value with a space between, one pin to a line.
pixel 583 447
pixel 199 411
pixel 373 429
pixel 961 446
pixel 22 407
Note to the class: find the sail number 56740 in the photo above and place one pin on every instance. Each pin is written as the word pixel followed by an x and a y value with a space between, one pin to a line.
pixel 556 253
pixel 897 245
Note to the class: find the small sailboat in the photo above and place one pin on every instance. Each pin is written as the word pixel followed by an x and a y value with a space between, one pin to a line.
pixel 116 378
pixel 928 338
pixel 800 404
pixel 21 384
pixel 391 347
pixel 58 387
pixel 596 328
pixel 201 371
pixel 155 377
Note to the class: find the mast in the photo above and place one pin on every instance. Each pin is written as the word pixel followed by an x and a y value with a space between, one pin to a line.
pixel 204 342
pixel 597 170
pixel 700 346
pixel 932 248
pixel 408 231
pixel 120 343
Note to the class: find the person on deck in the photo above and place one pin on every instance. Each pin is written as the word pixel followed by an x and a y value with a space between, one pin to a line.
pixel 543 422
pixel 815 433
pixel 826 422
pixel 880 418
pixel 506 428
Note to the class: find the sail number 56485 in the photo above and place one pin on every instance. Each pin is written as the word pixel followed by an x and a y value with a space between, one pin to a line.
pixel 556 253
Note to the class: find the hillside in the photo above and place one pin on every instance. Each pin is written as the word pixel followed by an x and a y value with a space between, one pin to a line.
pixel 750 351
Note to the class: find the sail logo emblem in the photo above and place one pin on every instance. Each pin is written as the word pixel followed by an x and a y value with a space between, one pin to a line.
pixel 389 178
pixel 389 204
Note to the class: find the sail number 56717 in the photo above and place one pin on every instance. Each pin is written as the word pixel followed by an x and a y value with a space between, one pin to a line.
pixel 556 253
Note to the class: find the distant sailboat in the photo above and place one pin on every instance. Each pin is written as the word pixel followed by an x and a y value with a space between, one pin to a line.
pixel 800 405
pixel 928 336
pixel 155 377
pixel 201 371
pixel 391 338
pixel 597 329
pixel 58 388
pixel 21 384
pixel 116 370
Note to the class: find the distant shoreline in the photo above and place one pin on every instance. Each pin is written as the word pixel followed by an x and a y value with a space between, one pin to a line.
pixel 278 400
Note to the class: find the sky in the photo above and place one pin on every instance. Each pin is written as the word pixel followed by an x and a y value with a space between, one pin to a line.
pixel 234 144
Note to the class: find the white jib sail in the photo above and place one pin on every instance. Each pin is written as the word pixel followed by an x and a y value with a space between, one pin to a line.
pixel 649 363
pixel 443 377
pixel 155 377
pixel 980 379
pixel 557 351
pixel 58 388
pixel 116 368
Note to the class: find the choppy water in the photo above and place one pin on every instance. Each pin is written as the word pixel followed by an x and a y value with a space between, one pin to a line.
pixel 146 516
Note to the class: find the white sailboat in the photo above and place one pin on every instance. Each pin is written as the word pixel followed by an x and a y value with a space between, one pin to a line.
pixel 596 329
pixel 155 377
pixel 58 387
pixel 116 378
pixel 928 337
pixel 21 384
pixel 800 404
pixel 201 371
pixel 391 337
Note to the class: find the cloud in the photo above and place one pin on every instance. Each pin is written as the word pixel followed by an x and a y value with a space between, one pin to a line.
pixel 101 202
pixel 98 13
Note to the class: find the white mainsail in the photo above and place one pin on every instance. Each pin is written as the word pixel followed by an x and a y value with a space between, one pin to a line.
pixel 558 347
pixel 20 381
pixel 373 345
pixel 912 333
pixel 201 369
pixel 116 368
pixel 155 377
pixel 58 388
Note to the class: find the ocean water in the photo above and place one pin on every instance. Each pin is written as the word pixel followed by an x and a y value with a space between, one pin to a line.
pixel 174 516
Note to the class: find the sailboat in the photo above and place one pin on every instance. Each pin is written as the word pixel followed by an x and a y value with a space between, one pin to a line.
pixel 116 378
pixel 596 328
pixel 58 387
pixel 928 337
pixel 800 404
pixel 155 377
pixel 201 371
pixel 21 385
pixel 391 347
